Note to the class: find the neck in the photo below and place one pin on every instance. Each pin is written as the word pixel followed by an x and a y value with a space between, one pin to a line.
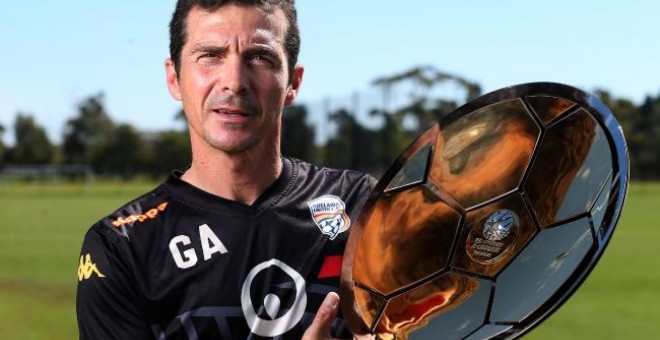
pixel 241 177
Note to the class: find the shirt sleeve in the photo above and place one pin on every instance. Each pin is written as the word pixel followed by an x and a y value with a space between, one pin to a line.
pixel 107 302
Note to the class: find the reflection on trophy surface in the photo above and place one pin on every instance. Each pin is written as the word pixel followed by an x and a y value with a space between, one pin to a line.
pixel 463 202
pixel 404 255
pixel 484 154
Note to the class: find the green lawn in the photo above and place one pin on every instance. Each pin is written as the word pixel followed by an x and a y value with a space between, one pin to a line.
pixel 42 227
pixel 619 300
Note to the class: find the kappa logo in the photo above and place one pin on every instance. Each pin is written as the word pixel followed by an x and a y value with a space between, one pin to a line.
pixel 149 215
pixel 87 268
pixel 329 214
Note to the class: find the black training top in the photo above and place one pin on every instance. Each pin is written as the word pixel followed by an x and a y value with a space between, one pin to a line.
pixel 180 263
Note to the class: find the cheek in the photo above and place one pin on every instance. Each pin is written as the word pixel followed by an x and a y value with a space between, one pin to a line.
pixel 195 88
pixel 277 93
pixel 271 85
pixel 202 82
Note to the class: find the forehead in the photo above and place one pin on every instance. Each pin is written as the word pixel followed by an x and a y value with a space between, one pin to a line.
pixel 232 21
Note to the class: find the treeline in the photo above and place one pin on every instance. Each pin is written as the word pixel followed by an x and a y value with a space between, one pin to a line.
pixel 120 150
pixel 93 139
pixel 355 146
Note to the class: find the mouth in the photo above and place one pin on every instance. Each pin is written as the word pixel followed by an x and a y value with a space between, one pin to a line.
pixel 232 112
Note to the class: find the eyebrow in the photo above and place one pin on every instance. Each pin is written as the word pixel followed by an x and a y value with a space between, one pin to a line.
pixel 263 49
pixel 208 48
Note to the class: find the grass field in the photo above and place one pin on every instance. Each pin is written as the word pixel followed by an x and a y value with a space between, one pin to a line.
pixel 42 226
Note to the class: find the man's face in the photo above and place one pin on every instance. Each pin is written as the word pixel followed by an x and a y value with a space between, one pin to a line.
pixel 233 78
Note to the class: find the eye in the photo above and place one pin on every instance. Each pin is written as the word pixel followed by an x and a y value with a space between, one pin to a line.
pixel 207 56
pixel 262 59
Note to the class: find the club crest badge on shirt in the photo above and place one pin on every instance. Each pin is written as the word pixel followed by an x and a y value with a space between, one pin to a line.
pixel 329 214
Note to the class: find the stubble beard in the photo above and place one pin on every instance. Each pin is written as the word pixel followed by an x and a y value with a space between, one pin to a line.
pixel 230 146
pixel 224 140
pixel 245 138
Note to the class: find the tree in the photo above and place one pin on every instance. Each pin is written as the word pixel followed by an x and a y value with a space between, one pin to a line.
pixel 180 116
pixel 647 131
pixel 391 139
pixel 641 128
pixel 32 143
pixel 424 108
pixel 297 136
pixel 169 150
pixel 3 148
pixel 353 146
pixel 85 134
pixel 123 153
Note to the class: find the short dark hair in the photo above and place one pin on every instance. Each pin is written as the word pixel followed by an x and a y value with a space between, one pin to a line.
pixel 178 32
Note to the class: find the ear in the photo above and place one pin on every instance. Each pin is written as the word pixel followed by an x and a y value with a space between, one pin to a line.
pixel 296 81
pixel 172 79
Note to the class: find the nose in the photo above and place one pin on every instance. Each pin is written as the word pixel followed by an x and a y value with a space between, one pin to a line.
pixel 234 78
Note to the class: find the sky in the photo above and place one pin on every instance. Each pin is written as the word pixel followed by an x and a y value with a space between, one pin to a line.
pixel 54 54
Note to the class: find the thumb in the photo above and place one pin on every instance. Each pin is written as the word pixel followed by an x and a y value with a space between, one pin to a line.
pixel 320 327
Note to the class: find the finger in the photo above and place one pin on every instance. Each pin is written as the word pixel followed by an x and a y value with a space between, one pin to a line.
pixel 320 327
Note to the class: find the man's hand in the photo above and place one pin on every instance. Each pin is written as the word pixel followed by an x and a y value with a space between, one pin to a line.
pixel 320 327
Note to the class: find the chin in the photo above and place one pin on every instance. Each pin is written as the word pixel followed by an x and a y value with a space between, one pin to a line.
pixel 234 145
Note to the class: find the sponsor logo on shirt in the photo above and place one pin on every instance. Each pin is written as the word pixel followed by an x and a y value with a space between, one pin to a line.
pixel 277 320
pixel 268 302
pixel 329 214
pixel 87 268
pixel 149 215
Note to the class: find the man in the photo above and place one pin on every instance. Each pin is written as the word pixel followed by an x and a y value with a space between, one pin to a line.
pixel 244 243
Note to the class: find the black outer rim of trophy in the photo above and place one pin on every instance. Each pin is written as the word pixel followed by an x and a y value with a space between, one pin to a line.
pixel 620 180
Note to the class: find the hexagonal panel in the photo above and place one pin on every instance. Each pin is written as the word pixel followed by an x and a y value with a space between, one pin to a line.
pixel 573 162
pixel 485 153
pixel 463 319
pixel 548 108
pixel 413 172
pixel 407 237
pixel 540 270
pixel 493 235
pixel 467 298
pixel 368 305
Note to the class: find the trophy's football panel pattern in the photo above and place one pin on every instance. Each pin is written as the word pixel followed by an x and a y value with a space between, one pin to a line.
pixel 547 108
pixel 546 264
pixel 412 173
pixel 464 319
pixel 590 178
pixel 368 304
pixel 408 237
pixel 405 313
pixel 484 154
pixel 568 186
pixel 493 235
pixel 489 180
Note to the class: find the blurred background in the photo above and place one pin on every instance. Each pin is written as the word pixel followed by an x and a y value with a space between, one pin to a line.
pixel 86 123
